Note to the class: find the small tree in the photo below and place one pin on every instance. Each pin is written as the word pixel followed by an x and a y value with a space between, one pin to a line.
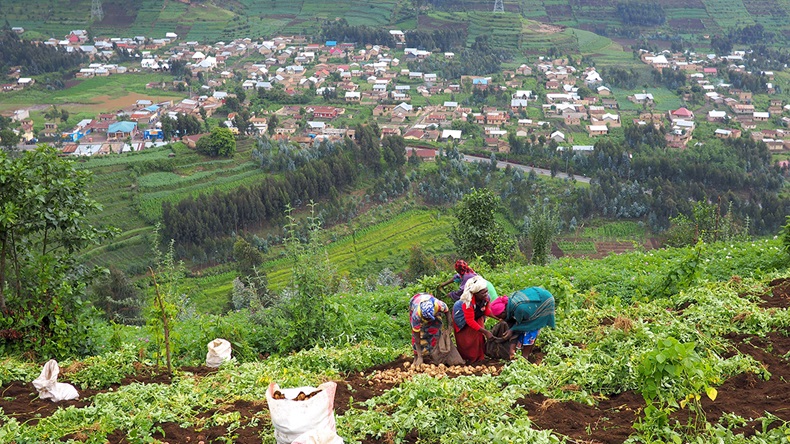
pixel 220 142
pixel 167 300
pixel 9 139
pixel 477 233
pixel 272 123
pixel 304 306
pixel 419 264
pixel 541 226
pixel 118 297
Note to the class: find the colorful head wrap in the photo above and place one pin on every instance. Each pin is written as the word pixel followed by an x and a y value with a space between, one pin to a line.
pixel 498 305
pixel 474 285
pixel 426 310
pixel 461 267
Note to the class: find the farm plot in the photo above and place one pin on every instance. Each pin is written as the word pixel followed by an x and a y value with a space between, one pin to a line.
pixel 503 29
pixel 533 10
pixel 560 13
pixel 728 14
pixel 536 37
pixel 382 245
pixel 586 381
pixel 96 94
pixel 665 99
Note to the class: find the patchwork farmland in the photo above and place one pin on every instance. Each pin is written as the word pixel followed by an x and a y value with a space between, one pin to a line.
pixel 209 20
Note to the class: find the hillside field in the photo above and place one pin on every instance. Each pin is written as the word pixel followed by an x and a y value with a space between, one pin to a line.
pixel 720 341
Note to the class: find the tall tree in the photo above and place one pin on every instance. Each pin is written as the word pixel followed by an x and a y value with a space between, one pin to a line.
pixel 476 232
pixel 43 222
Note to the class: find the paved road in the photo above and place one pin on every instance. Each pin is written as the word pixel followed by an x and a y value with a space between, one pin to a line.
pixel 524 168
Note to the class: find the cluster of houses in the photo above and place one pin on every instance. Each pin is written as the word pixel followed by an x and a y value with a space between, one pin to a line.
pixel 729 104
pixel 350 76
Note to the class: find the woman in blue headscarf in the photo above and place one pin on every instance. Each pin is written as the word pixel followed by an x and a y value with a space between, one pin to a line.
pixel 426 323
pixel 528 311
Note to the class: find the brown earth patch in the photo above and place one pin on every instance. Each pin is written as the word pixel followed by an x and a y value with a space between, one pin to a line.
pixel 20 400
pixel 779 296
pixel 687 23
pixel 747 394
pixel 611 419
pixel 608 422
pixel 105 102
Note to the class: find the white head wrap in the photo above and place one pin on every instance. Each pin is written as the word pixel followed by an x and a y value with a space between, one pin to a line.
pixel 475 284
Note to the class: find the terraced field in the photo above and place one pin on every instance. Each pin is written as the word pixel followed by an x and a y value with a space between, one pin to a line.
pixel 213 20
pixel 375 247
pixel 131 189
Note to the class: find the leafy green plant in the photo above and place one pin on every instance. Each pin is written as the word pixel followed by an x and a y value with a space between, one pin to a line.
pixel 167 299
pixel 99 372
pixel 541 227
pixel 672 376
pixel 683 274
pixel 785 233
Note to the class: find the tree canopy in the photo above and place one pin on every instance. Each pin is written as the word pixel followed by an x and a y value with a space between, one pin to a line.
pixel 476 232
pixel 43 222
pixel 220 143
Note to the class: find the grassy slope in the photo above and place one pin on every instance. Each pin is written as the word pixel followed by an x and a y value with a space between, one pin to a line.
pixel 586 356
pixel 212 20
pixel 97 94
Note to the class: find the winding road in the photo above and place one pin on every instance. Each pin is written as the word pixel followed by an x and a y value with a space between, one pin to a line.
pixel 503 164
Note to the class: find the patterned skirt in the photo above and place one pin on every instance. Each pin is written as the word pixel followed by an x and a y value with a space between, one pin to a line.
pixel 429 336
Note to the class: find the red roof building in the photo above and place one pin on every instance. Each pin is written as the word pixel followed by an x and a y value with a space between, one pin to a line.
pixel 324 112
pixel 682 113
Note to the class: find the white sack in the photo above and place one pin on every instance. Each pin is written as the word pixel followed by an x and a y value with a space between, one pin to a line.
pixel 218 351
pixel 316 436
pixel 48 386
pixel 292 418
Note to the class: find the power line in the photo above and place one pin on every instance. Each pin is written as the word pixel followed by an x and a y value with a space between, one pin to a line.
pixel 97 14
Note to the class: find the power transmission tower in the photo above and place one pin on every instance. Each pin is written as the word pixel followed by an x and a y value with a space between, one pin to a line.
pixel 97 14
pixel 499 6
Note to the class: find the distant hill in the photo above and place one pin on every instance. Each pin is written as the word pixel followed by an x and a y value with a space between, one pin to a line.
pixel 209 20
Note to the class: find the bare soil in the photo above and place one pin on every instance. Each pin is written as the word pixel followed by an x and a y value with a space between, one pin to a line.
pixel 610 420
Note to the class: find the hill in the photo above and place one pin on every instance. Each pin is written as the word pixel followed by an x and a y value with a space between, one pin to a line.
pixel 210 20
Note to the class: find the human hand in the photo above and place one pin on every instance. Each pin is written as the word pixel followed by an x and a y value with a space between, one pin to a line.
pixel 508 334
pixel 417 361
pixel 487 333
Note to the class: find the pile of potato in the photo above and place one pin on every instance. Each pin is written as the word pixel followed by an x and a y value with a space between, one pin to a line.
pixel 300 397
pixel 397 375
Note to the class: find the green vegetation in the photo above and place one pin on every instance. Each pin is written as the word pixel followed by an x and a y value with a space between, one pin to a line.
pixel 131 189
pixel 382 245
pixel 672 349
pixel 91 94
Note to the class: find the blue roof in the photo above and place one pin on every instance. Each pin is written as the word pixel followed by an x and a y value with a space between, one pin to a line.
pixel 122 127
pixel 152 108
pixel 331 43
pixel 479 81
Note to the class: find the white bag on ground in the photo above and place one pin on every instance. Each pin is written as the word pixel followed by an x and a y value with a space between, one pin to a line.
pixel 48 386
pixel 316 436
pixel 301 422
pixel 218 351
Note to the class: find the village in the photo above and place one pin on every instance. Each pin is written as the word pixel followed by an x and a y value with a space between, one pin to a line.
pixel 554 99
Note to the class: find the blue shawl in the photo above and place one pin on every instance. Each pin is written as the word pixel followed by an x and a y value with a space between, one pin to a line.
pixel 530 309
